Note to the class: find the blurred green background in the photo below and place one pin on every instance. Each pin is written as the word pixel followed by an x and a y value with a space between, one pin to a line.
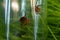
pixel 53 21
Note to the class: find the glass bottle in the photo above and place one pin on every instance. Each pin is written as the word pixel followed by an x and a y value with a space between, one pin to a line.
pixel 21 21
pixel 26 20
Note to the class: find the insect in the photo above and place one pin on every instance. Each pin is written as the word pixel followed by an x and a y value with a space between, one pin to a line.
pixel 24 20
pixel 37 9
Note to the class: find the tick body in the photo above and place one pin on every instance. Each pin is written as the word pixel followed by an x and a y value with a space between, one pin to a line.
pixel 24 20
pixel 37 9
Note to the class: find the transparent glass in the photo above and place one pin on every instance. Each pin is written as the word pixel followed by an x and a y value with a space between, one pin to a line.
pixel 25 19
pixel 21 21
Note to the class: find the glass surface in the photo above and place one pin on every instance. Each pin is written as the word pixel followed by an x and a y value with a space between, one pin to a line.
pixel 23 20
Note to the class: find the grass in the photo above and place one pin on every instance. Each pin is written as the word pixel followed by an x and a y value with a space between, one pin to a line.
pixel 53 19
pixel 45 32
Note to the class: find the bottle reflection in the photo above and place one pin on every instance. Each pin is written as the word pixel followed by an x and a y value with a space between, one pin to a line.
pixel 15 8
